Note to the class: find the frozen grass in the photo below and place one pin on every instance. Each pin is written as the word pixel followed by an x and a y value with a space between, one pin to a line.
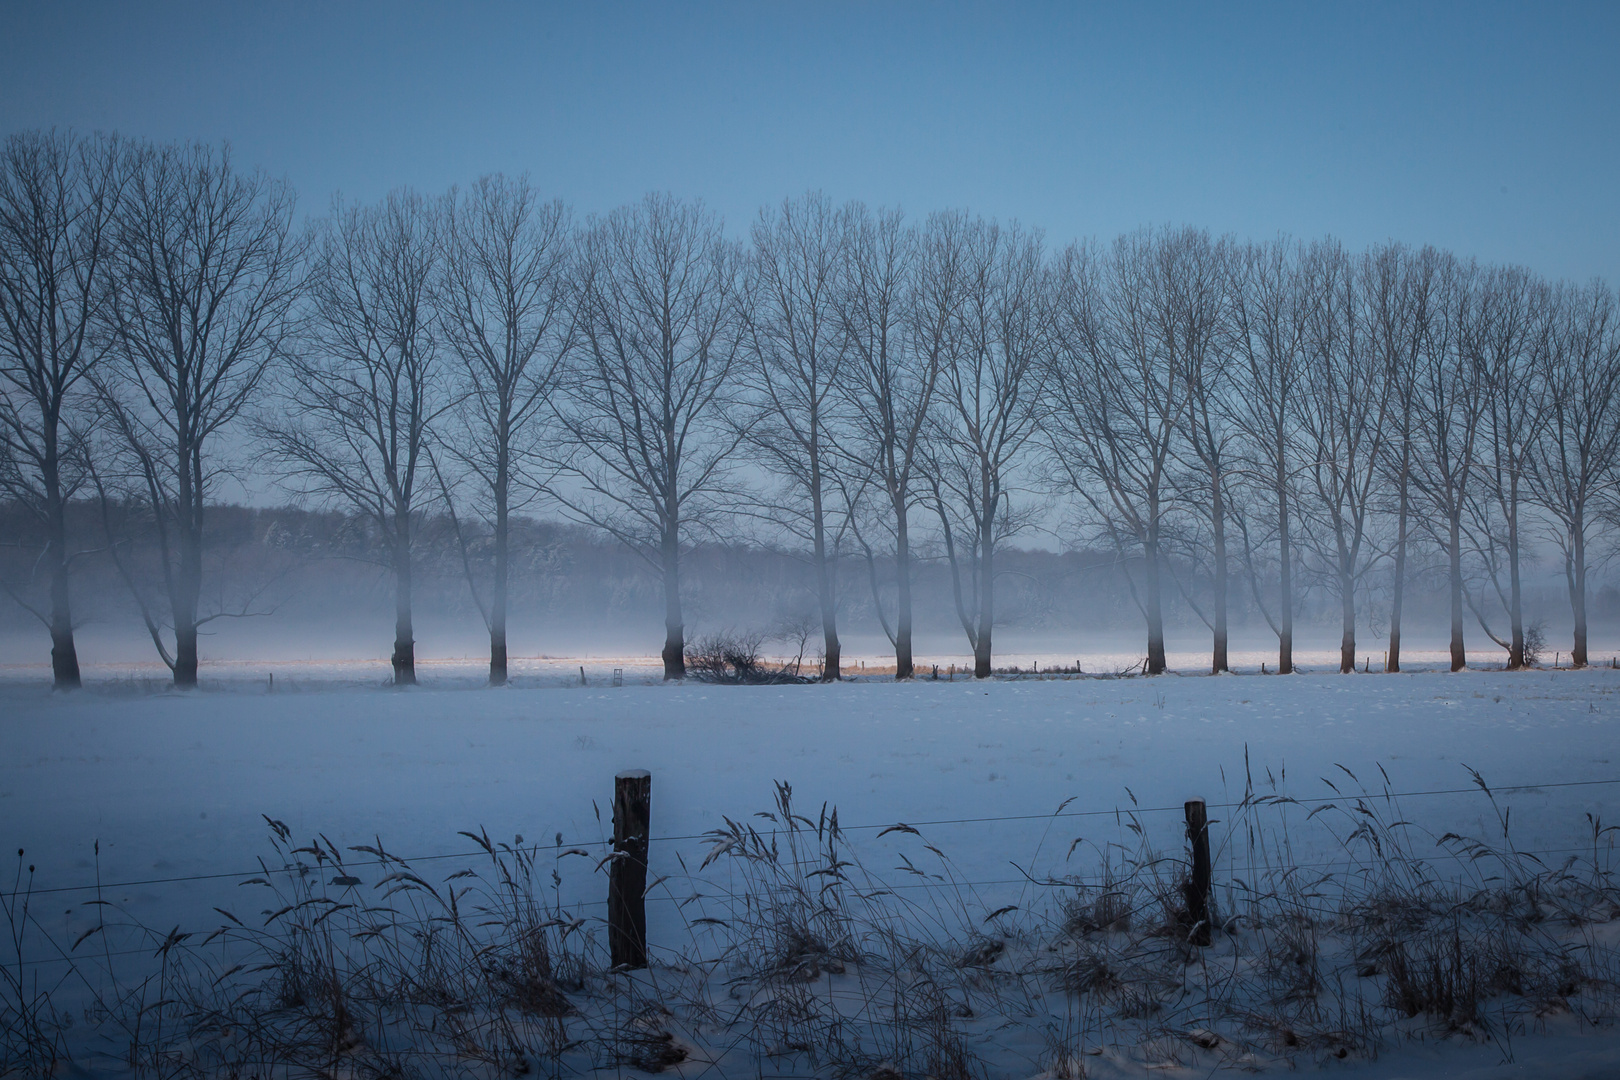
pixel 796 956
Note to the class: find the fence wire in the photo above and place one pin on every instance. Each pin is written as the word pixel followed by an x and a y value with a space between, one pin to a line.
pixel 1062 814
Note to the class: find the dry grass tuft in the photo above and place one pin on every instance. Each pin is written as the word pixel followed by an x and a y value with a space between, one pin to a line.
pixel 800 959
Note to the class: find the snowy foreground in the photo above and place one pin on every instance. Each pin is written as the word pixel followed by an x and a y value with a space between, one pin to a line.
pixel 1087 777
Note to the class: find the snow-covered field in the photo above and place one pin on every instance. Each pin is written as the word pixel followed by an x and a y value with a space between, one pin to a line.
pixel 172 786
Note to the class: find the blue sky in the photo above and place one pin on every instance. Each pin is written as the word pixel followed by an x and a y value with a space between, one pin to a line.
pixel 1491 129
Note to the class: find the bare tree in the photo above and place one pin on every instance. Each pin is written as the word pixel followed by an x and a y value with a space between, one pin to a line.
pixel 1186 294
pixel 507 311
pixel 795 363
pixel 1447 406
pixel 1117 404
pixel 1572 466
pixel 890 385
pixel 57 196
pixel 993 281
pixel 1269 306
pixel 642 399
pixel 1509 326
pixel 351 424
pixel 1344 414
pixel 1398 305
pixel 205 278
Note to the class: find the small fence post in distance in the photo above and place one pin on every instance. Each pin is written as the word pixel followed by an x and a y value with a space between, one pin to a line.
pixel 1198 884
pixel 627 879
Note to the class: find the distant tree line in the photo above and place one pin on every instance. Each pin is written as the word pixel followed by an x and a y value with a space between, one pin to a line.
pixel 1285 417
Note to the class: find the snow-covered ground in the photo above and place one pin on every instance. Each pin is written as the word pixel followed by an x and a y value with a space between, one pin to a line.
pixel 173 786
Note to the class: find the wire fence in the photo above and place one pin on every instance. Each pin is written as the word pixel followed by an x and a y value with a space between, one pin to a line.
pixel 1058 815
pixel 1229 869
pixel 56 961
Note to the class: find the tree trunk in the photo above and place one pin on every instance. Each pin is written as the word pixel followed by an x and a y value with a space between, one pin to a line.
pixel 1459 656
pixel 1285 586
pixel 674 627
pixel 1393 661
pixel 831 652
pixel 186 585
pixel 185 656
pixel 987 606
pixel 902 618
pixel 1577 588
pixel 183 605
pixel 404 658
pixel 1515 586
pixel 824 589
pixel 1155 609
pixel 64 653
pixel 185 633
pixel 1218 663
pixel 497 601
pixel 1347 611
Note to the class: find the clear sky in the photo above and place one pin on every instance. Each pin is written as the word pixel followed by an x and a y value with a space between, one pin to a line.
pixel 1491 129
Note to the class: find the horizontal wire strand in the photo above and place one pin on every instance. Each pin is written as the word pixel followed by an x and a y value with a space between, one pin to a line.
pixel 711 835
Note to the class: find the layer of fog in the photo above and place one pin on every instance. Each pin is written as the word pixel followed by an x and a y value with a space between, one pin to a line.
pixel 579 595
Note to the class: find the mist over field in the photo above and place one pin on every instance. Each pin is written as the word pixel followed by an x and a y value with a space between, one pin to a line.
pixel 577 595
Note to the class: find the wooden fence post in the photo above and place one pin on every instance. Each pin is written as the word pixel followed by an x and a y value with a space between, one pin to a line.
pixel 627 879
pixel 1198 884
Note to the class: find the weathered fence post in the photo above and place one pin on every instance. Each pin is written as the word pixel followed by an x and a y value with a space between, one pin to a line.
pixel 627 879
pixel 1198 884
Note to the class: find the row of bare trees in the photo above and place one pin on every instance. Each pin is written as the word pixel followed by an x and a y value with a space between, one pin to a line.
pixel 1279 416
pixel 145 291
pixel 1304 409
